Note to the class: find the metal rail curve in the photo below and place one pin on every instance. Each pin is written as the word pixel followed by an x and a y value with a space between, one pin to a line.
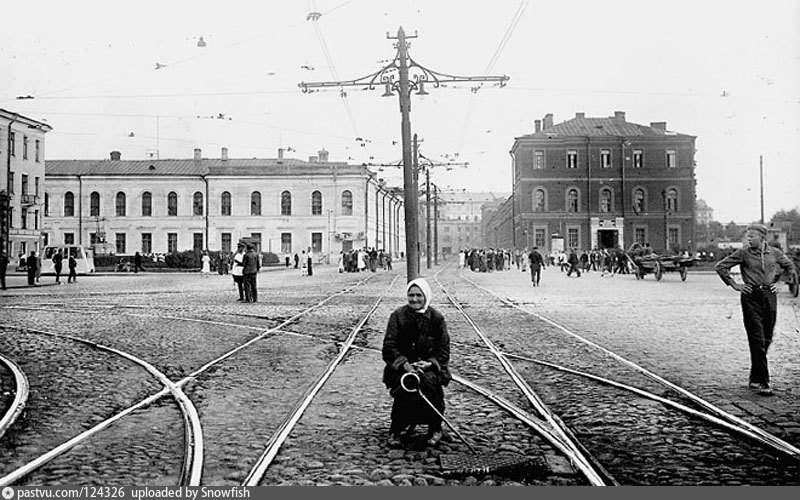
pixel 20 397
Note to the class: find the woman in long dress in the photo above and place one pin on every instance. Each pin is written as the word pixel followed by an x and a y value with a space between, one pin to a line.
pixel 416 341
pixel 206 270
pixel 304 264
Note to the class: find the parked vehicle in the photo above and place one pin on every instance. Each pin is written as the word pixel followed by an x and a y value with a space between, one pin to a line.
pixel 84 257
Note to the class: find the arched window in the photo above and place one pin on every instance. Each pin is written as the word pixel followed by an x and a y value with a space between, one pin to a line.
pixel 638 200
pixel 286 203
pixel 69 204
pixel 225 205
pixel 538 200
pixel 347 203
pixel 255 203
pixel 316 203
pixel 605 200
pixel 572 200
pixel 172 204
pixel 120 204
pixel 197 203
pixel 672 200
pixel 94 204
pixel 147 204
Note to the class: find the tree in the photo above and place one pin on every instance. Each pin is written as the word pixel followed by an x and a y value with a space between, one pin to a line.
pixel 788 221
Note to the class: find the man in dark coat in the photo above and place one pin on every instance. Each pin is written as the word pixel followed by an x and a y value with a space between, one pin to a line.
pixel 573 262
pixel 3 269
pixel 249 274
pixel 537 262
pixel 416 341
pixel 296 260
pixel 58 262
pixel 31 264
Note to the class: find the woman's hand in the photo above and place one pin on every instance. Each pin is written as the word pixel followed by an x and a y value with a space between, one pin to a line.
pixel 421 365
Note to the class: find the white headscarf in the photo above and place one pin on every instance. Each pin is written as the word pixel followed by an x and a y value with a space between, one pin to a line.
pixel 425 288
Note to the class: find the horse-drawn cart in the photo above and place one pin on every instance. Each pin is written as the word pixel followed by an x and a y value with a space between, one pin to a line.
pixel 658 265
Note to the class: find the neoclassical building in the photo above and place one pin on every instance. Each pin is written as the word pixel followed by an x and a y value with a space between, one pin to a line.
pixel 163 206
pixel 600 182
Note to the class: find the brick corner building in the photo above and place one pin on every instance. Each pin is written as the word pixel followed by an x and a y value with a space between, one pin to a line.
pixel 600 183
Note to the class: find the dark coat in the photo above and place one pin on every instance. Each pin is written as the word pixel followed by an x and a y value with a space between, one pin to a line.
pixel 250 261
pixel 410 337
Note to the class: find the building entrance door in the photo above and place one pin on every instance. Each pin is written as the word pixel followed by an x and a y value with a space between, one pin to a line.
pixel 607 238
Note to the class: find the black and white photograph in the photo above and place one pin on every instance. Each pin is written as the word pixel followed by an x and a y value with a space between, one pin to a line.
pixel 290 244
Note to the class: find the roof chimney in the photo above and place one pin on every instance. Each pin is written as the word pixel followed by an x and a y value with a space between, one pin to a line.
pixel 312 159
pixel 538 125
pixel 323 155
pixel 619 115
pixel 224 153
pixel 659 125
pixel 116 155
pixel 280 153
pixel 548 121
pixel 580 115
pixel 197 154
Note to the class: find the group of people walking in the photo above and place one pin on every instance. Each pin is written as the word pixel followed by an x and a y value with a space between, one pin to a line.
pixel 361 259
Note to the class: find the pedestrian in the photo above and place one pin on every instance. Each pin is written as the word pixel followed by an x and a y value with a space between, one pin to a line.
pixel 573 262
pixel 286 258
pixel 72 264
pixel 58 262
pixel 416 341
pixel 759 265
pixel 30 267
pixel 296 260
pixel 3 269
pixel 38 266
pixel 303 264
pixel 238 268
pixel 250 273
pixel 137 263
pixel 206 269
pixel 537 262
pixel 340 261
pixel 310 263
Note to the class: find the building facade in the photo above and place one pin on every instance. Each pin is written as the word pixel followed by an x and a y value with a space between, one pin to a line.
pixel 600 183
pixel 22 199
pixel 460 223
pixel 164 206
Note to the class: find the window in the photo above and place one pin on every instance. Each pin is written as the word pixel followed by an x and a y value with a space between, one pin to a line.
pixel 46 205
pixel 36 219
pixel 69 238
pixel 672 159
pixel 638 158
pixel 605 200
pixel 12 144
pixel 46 238
pixel 672 200
pixel 147 204
pixel 572 200
pixel 11 182
pixel 256 237
pixel 23 218
pixel 172 204
pixel 226 242
pixel 286 203
pixel 197 242
pixel 225 205
pixel 538 200
pixel 10 216
pixel 538 237
pixel 24 184
pixel 572 237
pixel 605 158
pixel 347 203
pixel 197 203
pixel 36 186
pixel 316 203
pixel 572 159
pixel 93 239
pixel 37 150
pixel 147 242
pixel 673 236
pixel 316 242
pixel 120 204
pixel 94 204
pixel 120 242
pixel 286 242
pixel 538 160
pixel 255 203
pixel 640 235
pixel 172 242
pixel 69 204
pixel 638 200
pixel 24 147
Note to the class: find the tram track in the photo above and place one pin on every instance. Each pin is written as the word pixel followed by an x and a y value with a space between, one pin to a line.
pixel 609 401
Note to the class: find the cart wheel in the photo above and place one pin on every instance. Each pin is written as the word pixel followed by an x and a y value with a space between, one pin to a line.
pixel 659 272
pixel 684 272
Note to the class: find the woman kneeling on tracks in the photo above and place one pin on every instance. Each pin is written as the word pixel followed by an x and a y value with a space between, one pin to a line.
pixel 416 342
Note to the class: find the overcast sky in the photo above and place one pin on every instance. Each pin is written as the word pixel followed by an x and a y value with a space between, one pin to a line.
pixel 727 72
